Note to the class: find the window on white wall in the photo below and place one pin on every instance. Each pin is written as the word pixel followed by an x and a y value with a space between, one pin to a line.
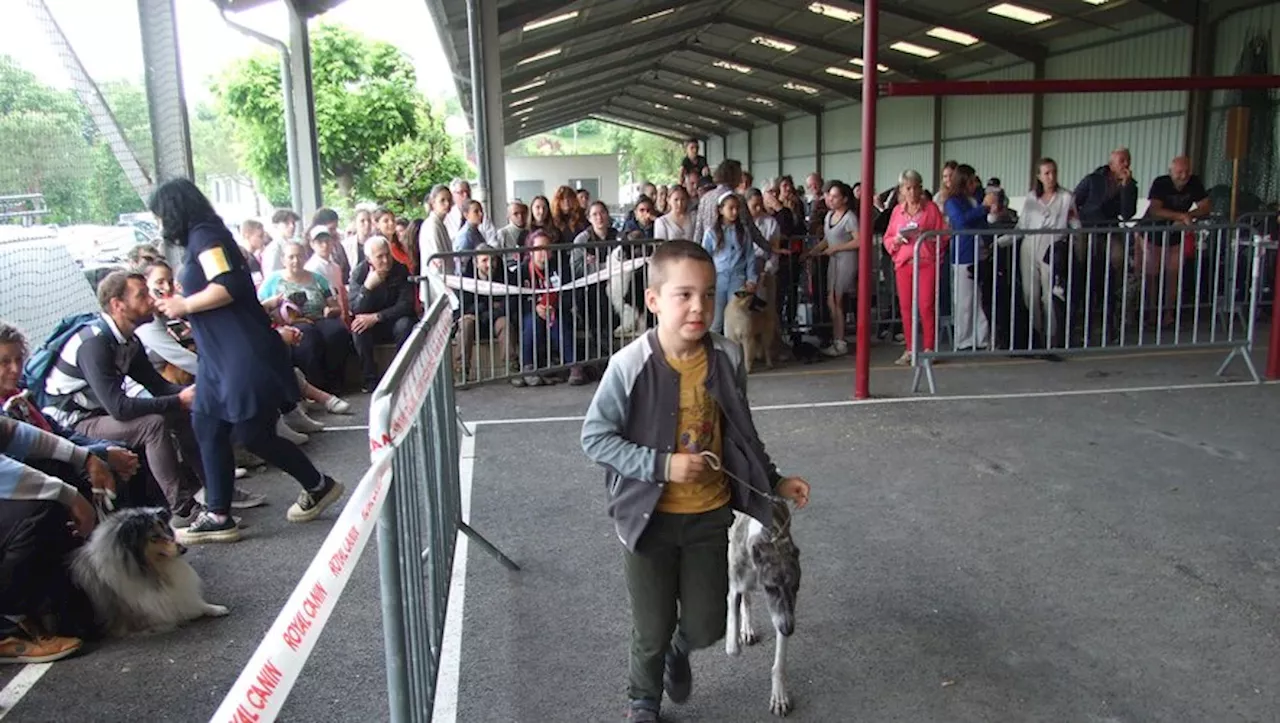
pixel 592 185
pixel 526 190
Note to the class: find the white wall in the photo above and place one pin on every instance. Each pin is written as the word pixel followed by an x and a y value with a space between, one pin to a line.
pixel 555 171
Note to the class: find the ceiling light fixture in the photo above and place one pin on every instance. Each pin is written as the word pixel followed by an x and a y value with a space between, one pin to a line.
pixel 807 89
pixel 773 43
pixel 879 67
pixel 550 21
pixel 912 49
pixel 1019 13
pixel 529 86
pixel 954 36
pixel 653 16
pixel 761 101
pixel 522 101
pixel 843 73
pixel 833 11
pixel 540 56
pixel 735 67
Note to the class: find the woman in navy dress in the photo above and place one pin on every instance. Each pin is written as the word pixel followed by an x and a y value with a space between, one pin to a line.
pixel 244 378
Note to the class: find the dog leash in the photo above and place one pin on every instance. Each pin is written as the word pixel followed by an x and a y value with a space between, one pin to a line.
pixel 714 462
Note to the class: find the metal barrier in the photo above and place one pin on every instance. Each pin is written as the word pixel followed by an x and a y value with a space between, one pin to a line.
pixel 412 419
pixel 412 491
pixel 516 316
pixel 1053 292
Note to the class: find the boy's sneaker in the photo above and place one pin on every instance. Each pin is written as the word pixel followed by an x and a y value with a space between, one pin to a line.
pixel 241 499
pixel 207 529
pixel 21 645
pixel 186 513
pixel 677 676
pixel 527 378
pixel 839 347
pixel 335 405
pixel 642 711
pixel 312 503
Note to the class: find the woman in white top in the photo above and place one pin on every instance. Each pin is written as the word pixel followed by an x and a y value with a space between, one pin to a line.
pixel 435 237
pixel 840 245
pixel 677 224
pixel 1048 206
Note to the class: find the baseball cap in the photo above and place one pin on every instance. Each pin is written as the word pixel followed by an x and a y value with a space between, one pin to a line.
pixel 318 231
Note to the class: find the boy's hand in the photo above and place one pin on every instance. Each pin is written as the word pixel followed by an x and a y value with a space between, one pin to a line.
pixel 794 489
pixel 685 468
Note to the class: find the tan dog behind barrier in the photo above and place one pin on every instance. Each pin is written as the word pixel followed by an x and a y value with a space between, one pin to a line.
pixel 757 331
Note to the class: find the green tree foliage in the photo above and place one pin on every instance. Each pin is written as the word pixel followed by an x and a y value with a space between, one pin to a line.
pixel 50 146
pixel 407 170
pixel 365 102
pixel 211 154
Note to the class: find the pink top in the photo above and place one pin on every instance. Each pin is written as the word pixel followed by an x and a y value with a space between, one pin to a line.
pixel 905 228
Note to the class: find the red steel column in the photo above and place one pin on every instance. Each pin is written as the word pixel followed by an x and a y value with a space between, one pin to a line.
pixel 1078 85
pixel 866 268
pixel 1273 344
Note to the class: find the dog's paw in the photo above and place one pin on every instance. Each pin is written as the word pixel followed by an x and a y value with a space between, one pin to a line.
pixel 748 636
pixel 779 703
pixel 216 611
pixel 731 646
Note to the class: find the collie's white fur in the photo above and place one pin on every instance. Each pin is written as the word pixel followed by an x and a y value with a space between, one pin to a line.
pixel 132 570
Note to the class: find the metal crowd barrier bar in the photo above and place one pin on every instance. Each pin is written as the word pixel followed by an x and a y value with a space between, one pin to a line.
pixel 413 421
pixel 1057 292
pixel 531 316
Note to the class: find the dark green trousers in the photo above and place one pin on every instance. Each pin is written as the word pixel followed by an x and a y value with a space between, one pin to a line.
pixel 684 560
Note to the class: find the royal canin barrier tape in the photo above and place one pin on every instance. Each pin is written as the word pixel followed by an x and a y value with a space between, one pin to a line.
pixel 265 682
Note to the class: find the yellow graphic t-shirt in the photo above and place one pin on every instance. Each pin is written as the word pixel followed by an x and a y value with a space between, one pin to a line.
pixel 697 430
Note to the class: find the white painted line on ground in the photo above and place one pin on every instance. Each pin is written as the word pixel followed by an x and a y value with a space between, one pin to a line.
pixel 930 399
pixel 21 683
pixel 447 678
pixel 351 428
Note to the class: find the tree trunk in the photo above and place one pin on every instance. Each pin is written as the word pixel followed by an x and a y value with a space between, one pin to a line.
pixel 346 183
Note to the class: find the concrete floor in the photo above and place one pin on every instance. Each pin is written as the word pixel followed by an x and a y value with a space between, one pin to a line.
pixel 1083 547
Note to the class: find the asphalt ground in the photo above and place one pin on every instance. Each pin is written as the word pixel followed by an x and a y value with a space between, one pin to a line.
pixel 1093 540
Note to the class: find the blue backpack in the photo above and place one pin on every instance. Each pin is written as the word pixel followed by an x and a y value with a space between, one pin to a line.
pixel 40 363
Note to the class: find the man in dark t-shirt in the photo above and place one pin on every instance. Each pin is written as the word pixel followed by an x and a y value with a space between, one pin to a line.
pixel 1176 199
pixel 692 162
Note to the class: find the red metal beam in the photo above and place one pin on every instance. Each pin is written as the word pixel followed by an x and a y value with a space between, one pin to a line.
pixel 1102 85
pixel 866 236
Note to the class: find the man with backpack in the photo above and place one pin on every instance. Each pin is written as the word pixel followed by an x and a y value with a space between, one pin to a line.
pixel 78 379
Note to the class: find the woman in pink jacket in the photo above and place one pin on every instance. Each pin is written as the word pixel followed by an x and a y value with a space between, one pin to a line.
pixel 913 216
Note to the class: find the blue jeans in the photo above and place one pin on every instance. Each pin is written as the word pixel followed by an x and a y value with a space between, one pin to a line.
pixel 537 332
pixel 727 282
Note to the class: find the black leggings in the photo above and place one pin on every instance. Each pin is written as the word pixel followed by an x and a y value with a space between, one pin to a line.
pixel 258 435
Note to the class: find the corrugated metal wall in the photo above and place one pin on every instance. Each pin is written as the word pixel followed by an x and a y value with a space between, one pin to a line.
pixel 715 150
pixel 1080 130
pixel 990 133
pixel 993 133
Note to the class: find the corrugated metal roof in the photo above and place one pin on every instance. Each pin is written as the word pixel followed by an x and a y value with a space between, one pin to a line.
pixel 713 66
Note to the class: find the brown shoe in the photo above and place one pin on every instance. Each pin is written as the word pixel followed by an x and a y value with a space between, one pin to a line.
pixel 21 647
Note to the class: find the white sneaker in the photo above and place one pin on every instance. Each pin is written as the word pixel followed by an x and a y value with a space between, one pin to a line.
pixel 839 347
pixel 336 405
pixel 300 422
pixel 904 360
pixel 283 431
pixel 241 473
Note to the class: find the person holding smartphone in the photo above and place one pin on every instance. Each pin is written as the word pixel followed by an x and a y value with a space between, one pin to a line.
pixel 913 216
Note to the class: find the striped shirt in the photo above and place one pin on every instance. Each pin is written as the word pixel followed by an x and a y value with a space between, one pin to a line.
pixel 88 378
pixel 20 441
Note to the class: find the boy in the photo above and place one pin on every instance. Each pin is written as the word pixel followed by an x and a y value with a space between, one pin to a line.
pixel 323 263
pixel 666 399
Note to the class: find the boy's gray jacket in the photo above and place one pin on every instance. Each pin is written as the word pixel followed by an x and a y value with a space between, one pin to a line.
pixel 630 429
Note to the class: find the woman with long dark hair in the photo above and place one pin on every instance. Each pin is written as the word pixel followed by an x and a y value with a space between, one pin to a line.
pixel 967 213
pixel 245 379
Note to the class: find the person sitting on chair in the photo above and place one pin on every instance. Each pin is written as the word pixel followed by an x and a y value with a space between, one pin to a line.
pixel 382 304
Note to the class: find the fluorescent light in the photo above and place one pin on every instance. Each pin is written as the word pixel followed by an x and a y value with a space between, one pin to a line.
pixel 913 49
pixel 681 96
pixel 1019 13
pixel 550 21
pixel 772 43
pixel 833 11
pixel 709 120
pixel 737 113
pixel 529 86
pixel 850 74
pixel 523 111
pixel 540 56
pixel 1096 2
pixel 660 106
pixel 702 84
pixel 732 66
pixel 653 16
pixel 879 67
pixel 954 36
pixel 807 89
pixel 761 101
pixel 522 101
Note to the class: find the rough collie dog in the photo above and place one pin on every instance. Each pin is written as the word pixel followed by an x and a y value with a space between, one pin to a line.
pixel 133 572
pixel 768 560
